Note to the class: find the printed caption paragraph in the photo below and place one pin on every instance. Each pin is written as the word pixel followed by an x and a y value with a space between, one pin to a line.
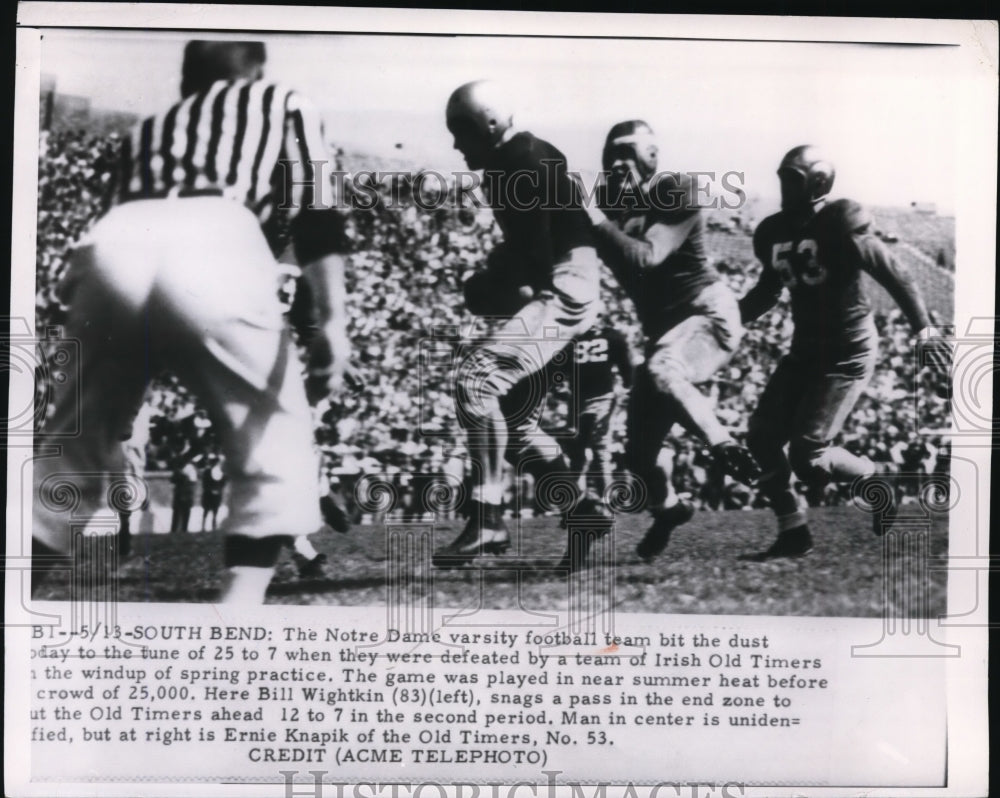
pixel 258 699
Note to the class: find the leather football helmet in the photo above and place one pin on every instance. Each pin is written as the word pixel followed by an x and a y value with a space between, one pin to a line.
pixel 816 170
pixel 478 114
pixel 631 140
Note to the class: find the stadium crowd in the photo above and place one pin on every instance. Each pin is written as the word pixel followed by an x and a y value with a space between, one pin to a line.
pixel 407 319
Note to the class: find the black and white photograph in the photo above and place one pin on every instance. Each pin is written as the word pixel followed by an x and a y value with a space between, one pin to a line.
pixel 530 366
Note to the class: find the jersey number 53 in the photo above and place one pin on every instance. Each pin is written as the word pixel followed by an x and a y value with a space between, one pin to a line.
pixel 796 262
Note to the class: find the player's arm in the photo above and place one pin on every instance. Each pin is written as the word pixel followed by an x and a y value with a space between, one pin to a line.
pixel 898 281
pixel 892 275
pixel 672 200
pixel 661 240
pixel 518 265
pixel 848 228
pixel 320 243
pixel 765 293
pixel 496 290
pixel 761 298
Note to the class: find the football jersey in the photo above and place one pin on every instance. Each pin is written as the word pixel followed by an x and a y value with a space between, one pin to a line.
pixel 538 207
pixel 662 292
pixel 820 263
pixel 588 362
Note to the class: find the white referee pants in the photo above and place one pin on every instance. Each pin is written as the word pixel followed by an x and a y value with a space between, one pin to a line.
pixel 187 284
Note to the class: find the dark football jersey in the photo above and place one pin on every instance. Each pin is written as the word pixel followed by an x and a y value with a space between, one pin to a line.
pixel 661 287
pixel 538 207
pixel 820 263
pixel 588 362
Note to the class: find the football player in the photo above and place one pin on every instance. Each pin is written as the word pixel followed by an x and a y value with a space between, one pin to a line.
pixel 543 280
pixel 818 250
pixel 588 368
pixel 650 232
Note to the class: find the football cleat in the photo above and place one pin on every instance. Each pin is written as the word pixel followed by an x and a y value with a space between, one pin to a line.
pixel 665 521
pixel 484 533
pixel 736 462
pixel 310 569
pixel 791 543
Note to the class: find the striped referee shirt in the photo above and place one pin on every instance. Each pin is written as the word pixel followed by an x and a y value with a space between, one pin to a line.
pixel 256 142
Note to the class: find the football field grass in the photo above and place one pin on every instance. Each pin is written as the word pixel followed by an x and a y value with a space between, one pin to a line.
pixel 700 572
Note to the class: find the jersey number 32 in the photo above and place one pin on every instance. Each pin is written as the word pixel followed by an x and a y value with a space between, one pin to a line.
pixel 593 351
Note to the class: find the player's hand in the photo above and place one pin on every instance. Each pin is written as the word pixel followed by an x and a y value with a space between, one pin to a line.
pixel 327 362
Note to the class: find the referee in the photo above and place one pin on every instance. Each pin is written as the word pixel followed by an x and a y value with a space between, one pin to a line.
pixel 181 274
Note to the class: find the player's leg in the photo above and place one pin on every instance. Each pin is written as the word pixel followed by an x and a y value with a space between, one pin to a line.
pixel 229 344
pixel 309 562
pixel 520 349
pixel 576 446
pixel 690 353
pixel 531 450
pixel 500 394
pixel 649 419
pixel 589 518
pixel 599 410
pixel 483 379
pixel 80 468
pixel 825 404
pixel 768 430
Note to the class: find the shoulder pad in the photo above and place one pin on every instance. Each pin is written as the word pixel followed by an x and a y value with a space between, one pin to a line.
pixel 843 217
pixel 764 231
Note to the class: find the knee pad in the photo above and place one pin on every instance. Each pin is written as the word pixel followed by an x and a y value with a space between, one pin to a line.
pixel 808 460
pixel 254 552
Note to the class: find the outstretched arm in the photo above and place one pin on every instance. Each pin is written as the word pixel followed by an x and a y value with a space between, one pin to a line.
pixel 898 281
pixel 762 297
pixel 892 275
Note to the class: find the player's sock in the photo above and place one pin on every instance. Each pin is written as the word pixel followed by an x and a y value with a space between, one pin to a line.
pixel 303 546
pixel 488 494
pixel 672 500
pixel 246 585
pixel 791 520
